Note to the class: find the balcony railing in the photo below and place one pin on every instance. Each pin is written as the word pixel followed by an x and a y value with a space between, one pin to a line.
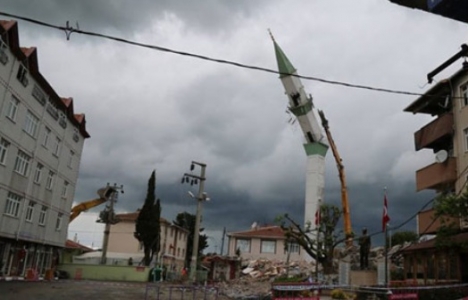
pixel 437 176
pixel 437 132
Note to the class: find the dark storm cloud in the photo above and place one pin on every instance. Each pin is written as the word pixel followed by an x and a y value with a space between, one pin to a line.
pixel 147 110
pixel 134 16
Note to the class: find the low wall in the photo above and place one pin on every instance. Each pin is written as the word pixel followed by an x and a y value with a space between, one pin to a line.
pixel 363 278
pixel 106 272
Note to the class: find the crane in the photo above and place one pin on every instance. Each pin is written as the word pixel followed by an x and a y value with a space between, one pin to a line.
pixel 341 174
pixel 104 194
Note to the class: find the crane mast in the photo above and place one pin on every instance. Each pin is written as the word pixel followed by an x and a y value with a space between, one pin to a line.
pixel 341 174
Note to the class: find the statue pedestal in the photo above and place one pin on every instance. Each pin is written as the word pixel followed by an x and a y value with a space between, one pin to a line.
pixel 363 277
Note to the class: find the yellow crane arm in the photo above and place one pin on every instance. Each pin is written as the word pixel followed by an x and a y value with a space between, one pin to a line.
pixel 84 206
pixel 341 174
pixel 104 194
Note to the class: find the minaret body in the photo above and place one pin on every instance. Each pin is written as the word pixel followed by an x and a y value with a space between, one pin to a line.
pixel 315 144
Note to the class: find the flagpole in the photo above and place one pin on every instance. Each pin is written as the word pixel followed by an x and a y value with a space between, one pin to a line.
pixel 386 240
pixel 317 225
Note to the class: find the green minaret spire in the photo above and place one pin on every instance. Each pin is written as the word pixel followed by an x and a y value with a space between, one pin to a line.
pixel 284 65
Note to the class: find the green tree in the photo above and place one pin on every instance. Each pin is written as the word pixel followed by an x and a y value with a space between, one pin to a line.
pixel 329 238
pixel 449 208
pixel 147 227
pixel 401 237
pixel 187 221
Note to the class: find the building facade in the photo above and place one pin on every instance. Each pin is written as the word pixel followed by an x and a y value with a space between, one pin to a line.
pixel 262 243
pixel 173 241
pixel 41 141
pixel 447 136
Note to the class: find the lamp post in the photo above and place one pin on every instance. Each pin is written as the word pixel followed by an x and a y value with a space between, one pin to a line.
pixel 202 196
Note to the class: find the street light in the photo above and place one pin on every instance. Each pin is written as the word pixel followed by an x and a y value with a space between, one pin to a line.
pixel 202 196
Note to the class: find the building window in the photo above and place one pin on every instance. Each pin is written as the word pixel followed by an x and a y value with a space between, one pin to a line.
pixel 42 215
pixel 293 248
pixel 268 246
pixel 3 151
pixel 12 108
pixel 30 211
pixel 30 124
pixel 45 137
pixel 38 173
pixel 76 135
pixel 12 204
pixel 22 163
pixel 172 232
pixel 58 224
pixel 464 95
pixel 243 245
pixel 50 180
pixel 22 75
pixel 65 189
pixel 70 159
pixel 57 146
pixel 39 95
pixel 178 251
pixel 465 132
pixel 3 54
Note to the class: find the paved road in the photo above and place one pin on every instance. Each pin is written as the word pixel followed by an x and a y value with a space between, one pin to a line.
pixel 71 290
pixel 102 290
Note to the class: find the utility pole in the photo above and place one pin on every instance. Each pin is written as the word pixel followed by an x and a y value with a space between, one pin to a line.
pixel 202 196
pixel 222 240
pixel 107 216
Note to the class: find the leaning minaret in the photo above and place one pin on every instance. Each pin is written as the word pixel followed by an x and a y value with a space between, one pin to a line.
pixel 315 144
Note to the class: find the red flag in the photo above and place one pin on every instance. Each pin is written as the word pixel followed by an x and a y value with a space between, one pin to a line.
pixel 317 216
pixel 385 217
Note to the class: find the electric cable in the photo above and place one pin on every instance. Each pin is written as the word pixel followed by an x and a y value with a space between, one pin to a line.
pixel 69 30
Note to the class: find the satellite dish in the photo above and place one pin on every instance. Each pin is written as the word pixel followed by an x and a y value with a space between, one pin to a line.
pixel 441 156
pixel 254 225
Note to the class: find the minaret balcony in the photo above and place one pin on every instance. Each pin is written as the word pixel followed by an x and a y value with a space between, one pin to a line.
pixel 437 176
pixel 435 135
pixel 302 109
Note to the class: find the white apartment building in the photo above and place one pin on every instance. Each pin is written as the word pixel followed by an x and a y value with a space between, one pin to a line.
pixel 41 141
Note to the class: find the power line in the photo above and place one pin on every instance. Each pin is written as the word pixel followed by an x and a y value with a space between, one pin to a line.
pixel 68 30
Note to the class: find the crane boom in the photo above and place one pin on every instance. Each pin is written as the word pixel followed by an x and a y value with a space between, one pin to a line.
pixel 104 194
pixel 84 206
pixel 341 174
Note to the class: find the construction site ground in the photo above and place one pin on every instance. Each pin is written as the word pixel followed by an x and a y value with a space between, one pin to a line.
pixel 106 290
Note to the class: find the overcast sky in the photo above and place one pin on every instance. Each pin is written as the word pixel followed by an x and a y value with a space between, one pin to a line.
pixel 150 110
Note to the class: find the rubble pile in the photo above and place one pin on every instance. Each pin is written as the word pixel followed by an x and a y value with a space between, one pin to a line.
pixel 256 277
pixel 264 269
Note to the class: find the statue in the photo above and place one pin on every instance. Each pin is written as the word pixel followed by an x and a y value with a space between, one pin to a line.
pixel 364 249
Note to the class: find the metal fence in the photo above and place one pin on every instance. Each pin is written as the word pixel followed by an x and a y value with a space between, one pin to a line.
pixel 156 291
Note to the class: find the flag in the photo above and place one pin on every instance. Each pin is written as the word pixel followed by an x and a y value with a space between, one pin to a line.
pixel 385 217
pixel 317 216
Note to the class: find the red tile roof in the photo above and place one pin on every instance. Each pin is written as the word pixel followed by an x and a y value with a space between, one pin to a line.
pixel 69 244
pixel 79 117
pixel 7 24
pixel 261 232
pixel 67 101
pixel 132 217
pixel 28 51
pixel 430 244
pixel 10 29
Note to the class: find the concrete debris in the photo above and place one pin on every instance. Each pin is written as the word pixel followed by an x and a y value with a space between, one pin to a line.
pixel 256 276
